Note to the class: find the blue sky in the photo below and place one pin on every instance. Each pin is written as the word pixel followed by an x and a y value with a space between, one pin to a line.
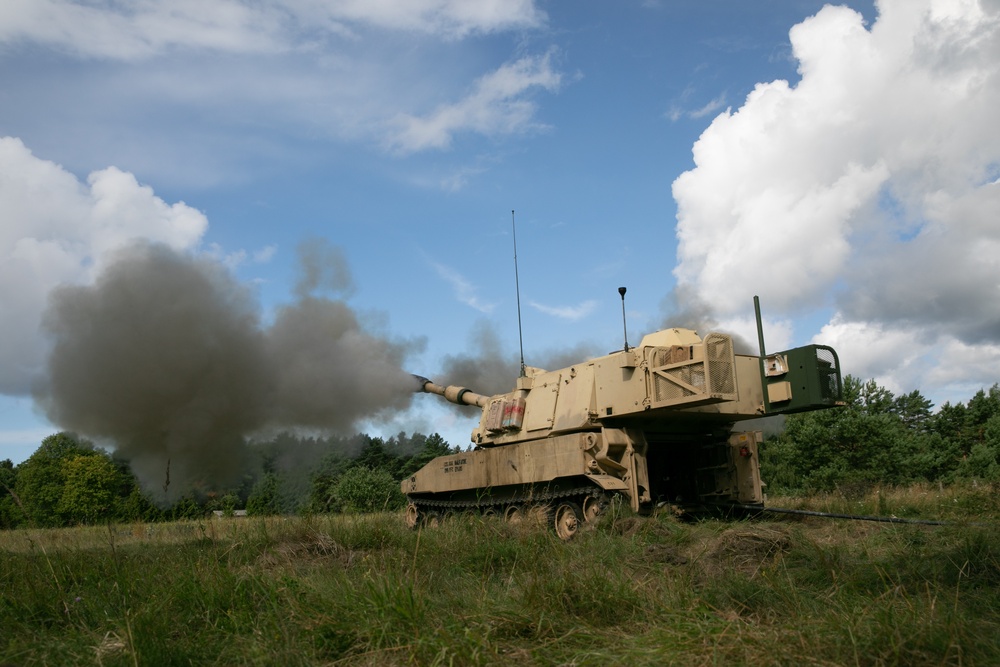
pixel 839 161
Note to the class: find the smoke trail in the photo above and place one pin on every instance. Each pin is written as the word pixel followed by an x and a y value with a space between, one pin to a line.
pixel 493 370
pixel 488 370
pixel 686 310
pixel 165 356
pixel 322 267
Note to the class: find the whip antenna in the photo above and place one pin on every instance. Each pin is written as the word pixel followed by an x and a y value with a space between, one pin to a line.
pixel 517 290
pixel 621 290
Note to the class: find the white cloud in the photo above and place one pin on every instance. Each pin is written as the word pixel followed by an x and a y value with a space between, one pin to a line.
pixel 265 254
pixel 141 29
pixel 572 313
pixel 57 230
pixel 872 350
pixel 458 179
pixel 710 107
pixel 684 107
pixel 464 290
pixel 448 18
pixel 229 259
pixel 233 259
pixel 677 112
pixel 869 186
pixel 497 105
pixel 903 359
pixel 127 31
pixel 192 94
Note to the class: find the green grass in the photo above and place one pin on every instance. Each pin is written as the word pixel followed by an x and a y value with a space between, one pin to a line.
pixel 362 590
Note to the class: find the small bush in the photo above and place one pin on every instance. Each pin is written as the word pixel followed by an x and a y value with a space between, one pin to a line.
pixel 362 489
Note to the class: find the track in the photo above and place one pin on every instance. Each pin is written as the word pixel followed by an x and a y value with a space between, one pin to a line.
pixel 536 496
pixel 564 510
pixel 579 497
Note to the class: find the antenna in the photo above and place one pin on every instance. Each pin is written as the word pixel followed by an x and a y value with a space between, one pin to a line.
pixel 622 290
pixel 517 288
pixel 760 326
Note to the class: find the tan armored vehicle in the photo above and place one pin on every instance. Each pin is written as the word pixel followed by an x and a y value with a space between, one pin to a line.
pixel 652 423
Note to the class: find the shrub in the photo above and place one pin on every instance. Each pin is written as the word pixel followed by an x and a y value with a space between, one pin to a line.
pixel 362 489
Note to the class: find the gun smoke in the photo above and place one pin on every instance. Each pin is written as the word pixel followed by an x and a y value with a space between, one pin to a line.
pixel 686 310
pixel 166 357
pixel 492 370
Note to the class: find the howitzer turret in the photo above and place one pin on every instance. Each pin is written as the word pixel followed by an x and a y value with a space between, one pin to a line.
pixel 651 423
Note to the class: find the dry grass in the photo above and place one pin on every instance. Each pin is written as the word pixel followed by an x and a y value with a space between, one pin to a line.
pixel 967 502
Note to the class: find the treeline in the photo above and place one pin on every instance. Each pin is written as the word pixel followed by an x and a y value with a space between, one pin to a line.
pixel 879 438
pixel 67 481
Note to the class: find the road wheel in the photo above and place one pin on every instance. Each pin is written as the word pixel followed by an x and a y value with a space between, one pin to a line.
pixel 513 514
pixel 412 517
pixel 591 508
pixel 566 520
pixel 539 514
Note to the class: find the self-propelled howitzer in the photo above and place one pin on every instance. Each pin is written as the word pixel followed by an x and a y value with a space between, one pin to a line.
pixel 651 423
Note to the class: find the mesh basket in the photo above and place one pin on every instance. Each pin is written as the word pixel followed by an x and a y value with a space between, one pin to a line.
pixel 676 379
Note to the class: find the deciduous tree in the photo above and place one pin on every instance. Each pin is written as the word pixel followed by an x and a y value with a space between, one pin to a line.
pixel 41 480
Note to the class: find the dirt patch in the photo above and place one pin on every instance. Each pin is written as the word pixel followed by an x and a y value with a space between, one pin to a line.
pixel 315 549
pixel 627 526
pixel 746 550
pixel 631 526
pixel 665 554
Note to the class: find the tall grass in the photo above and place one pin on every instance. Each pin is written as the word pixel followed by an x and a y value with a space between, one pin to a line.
pixel 362 590
pixel 973 502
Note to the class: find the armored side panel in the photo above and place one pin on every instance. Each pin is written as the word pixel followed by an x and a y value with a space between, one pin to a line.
pixel 619 385
pixel 497 474
pixel 577 403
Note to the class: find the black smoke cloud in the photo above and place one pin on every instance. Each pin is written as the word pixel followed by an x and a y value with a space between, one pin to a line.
pixel 166 357
pixel 683 309
pixel 490 369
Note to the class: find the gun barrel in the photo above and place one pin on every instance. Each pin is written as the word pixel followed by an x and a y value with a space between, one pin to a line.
pixel 458 395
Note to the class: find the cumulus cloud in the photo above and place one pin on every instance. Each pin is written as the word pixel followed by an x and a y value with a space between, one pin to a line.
pixel 57 230
pixel 869 188
pixel 127 31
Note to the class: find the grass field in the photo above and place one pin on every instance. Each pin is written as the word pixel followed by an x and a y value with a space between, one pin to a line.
pixel 362 590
